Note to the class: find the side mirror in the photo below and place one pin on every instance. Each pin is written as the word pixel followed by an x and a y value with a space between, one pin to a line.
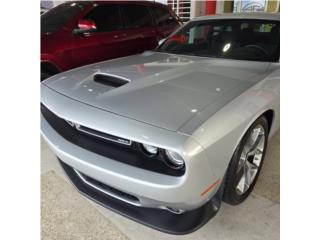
pixel 85 26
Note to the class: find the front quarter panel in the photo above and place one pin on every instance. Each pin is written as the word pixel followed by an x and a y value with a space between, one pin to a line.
pixel 222 132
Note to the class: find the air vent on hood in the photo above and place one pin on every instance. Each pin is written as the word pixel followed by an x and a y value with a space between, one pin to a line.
pixel 109 80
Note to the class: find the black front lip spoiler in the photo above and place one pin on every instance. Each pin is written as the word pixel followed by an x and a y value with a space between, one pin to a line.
pixel 158 219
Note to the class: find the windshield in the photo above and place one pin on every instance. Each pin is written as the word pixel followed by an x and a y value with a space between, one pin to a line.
pixel 54 19
pixel 255 40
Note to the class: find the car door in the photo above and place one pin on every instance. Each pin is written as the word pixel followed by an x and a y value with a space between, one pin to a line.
pixel 167 21
pixel 140 28
pixel 107 42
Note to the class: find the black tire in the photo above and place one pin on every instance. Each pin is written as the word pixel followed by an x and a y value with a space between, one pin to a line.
pixel 230 194
pixel 45 75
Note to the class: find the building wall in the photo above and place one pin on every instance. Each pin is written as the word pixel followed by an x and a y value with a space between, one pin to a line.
pixel 273 6
pixel 220 7
pixel 228 7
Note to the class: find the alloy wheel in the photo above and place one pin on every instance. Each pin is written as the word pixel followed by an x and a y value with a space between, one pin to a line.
pixel 250 159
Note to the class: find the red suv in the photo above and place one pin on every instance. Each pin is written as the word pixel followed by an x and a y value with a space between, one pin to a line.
pixel 79 33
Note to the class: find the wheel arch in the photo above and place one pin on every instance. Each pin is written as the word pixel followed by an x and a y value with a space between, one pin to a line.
pixel 269 114
pixel 223 157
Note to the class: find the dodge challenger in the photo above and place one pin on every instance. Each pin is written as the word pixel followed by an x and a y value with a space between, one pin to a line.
pixel 165 136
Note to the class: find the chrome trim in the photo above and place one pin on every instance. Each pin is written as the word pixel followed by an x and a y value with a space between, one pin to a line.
pixel 70 123
pixel 174 210
pixel 104 191
pixel 79 127
pixel 119 139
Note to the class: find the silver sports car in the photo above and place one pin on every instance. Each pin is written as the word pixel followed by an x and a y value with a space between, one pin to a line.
pixel 164 136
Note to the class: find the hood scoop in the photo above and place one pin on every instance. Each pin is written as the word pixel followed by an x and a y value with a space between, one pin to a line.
pixel 110 80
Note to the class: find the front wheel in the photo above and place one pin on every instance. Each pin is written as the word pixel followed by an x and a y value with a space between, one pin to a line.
pixel 246 163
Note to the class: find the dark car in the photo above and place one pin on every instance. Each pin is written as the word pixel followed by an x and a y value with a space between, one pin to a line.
pixel 79 33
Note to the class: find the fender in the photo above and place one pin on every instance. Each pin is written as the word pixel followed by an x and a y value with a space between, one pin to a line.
pixel 221 133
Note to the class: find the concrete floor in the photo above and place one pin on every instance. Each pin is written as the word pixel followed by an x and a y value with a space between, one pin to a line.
pixel 65 214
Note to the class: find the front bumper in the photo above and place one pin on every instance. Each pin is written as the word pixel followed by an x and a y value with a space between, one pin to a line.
pixel 158 219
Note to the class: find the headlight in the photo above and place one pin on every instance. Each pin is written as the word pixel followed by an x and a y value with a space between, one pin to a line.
pixel 150 150
pixel 174 160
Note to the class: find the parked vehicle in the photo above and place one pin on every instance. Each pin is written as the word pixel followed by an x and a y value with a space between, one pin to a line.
pixel 163 136
pixel 79 33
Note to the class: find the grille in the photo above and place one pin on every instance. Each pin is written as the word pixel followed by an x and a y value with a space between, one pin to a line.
pixel 128 198
pixel 127 154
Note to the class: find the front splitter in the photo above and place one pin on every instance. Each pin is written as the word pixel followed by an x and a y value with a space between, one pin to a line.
pixel 158 219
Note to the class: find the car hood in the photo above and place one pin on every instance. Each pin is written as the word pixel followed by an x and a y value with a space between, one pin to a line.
pixel 164 90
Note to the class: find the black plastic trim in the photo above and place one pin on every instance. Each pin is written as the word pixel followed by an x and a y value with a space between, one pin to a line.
pixel 158 219
pixel 109 80
pixel 109 189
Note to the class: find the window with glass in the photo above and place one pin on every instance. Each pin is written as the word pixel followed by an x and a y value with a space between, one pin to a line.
pixel 137 16
pixel 56 18
pixel 106 17
pixel 163 16
pixel 255 40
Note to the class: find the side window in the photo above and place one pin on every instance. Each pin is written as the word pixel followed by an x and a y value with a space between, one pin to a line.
pixel 163 16
pixel 266 28
pixel 216 30
pixel 106 17
pixel 198 34
pixel 137 16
